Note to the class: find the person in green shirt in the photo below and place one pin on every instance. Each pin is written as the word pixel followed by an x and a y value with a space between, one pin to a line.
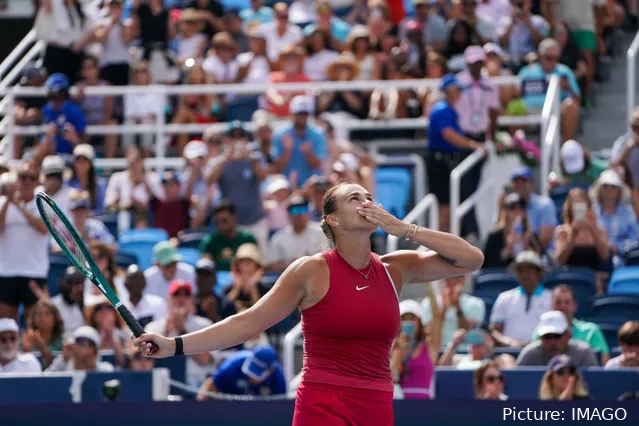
pixel 221 244
pixel 563 299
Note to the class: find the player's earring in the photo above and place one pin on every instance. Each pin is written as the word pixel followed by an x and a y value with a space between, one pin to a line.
pixel 336 223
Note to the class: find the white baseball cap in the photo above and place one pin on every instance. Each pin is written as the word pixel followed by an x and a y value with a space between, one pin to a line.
pixel 528 257
pixel 277 184
pixel 88 333
pixel 302 104
pixel 195 149
pixel 8 324
pixel 610 177
pixel 411 307
pixel 552 322
pixel 52 164
pixel 572 157
pixel 84 150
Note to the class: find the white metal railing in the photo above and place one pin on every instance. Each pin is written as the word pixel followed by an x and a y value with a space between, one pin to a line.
pixel 17 52
pixel 458 211
pixel 288 351
pixel 550 133
pixel 428 204
pixel 631 76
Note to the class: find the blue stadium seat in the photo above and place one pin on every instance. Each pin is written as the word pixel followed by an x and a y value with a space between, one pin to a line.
pixel 142 250
pixel 393 189
pixel 616 309
pixel 192 239
pixel 58 262
pixel 495 281
pixel 224 279
pixel 125 259
pixel 189 255
pixel 489 297
pixel 632 258
pixel 241 108
pixel 110 221
pixel 152 235
pixel 624 280
pixel 581 280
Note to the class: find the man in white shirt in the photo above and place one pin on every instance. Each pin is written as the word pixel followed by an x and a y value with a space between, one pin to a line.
pixel 11 360
pixel 516 312
pixel 145 307
pixel 69 300
pixel 300 238
pixel 81 354
pixel 166 269
pixel 54 186
pixel 280 33
pixel 24 253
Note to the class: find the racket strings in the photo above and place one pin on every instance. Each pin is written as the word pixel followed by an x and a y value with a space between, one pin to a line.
pixel 65 236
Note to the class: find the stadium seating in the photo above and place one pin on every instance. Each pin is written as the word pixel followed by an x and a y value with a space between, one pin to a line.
pixel 624 280
pixel 610 332
pixel 616 309
pixel 189 255
pixel 111 222
pixel 224 279
pixel 141 242
pixel 58 262
pixel 581 280
pixel 494 280
pixel 125 259
pixel 393 189
pixel 489 297
pixel 241 108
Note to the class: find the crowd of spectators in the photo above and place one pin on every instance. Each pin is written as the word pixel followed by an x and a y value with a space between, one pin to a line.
pixel 262 190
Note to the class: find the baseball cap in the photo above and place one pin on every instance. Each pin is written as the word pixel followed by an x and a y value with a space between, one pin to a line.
pixel 52 164
pixel 195 149
pixel 8 324
pixel 449 80
pixel 277 184
pixel 165 253
pixel 87 332
pixel 610 177
pixel 475 336
pixel 572 157
pixel 474 54
pixel 205 264
pixel 248 251
pixel 84 150
pixel 521 172
pixel 57 82
pixel 410 306
pixel 560 361
pixel 302 105
pixel 528 257
pixel 32 72
pixel 298 205
pixel 177 285
pixel 493 48
pixel 257 364
pixel 552 322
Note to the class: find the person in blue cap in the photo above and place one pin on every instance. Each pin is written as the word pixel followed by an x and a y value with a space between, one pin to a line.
pixel 248 372
pixel 447 146
pixel 64 117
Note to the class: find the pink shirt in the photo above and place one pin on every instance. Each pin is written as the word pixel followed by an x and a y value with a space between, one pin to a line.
pixel 477 99
pixel 417 382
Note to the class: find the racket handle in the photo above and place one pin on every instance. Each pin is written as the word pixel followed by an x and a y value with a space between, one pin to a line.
pixel 134 325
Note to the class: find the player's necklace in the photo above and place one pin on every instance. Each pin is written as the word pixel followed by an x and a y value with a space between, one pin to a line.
pixel 365 275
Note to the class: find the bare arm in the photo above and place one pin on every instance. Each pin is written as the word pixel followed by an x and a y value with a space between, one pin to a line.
pixel 33 220
pixel 436 325
pixel 564 243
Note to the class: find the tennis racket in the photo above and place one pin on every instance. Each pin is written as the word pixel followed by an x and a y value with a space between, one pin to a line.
pixel 67 237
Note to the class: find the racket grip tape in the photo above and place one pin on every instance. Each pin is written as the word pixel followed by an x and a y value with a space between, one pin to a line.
pixel 134 325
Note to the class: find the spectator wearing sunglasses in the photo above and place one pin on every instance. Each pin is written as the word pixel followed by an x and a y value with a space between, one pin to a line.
pixel 488 381
pixel 81 353
pixel 562 381
pixel 555 339
pixel 280 33
pixel 11 359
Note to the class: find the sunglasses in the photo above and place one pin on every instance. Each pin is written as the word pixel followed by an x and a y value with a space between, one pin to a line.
pixel 28 177
pixel 8 339
pixel 493 379
pixel 516 206
pixel 551 336
pixel 184 293
pixel 551 58
pixel 570 371
pixel 608 186
pixel 84 341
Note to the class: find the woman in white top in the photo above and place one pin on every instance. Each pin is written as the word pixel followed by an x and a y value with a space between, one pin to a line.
pixel 115 35
pixel 64 26
pixel 221 64
pixel 359 44
pixel 319 55
pixel 142 107
pixel 190 41
pixel 255 65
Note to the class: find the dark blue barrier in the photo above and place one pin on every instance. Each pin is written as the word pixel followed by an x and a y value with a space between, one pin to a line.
pixel 280 413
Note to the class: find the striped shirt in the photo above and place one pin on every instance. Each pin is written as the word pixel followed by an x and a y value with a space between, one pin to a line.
pixel 622 226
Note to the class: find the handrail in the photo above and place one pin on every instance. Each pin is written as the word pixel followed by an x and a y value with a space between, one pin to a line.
pixel 288 351
pixel 419 174
pixel 455 186
pixel 550 136
pixel 427 204
pixel 17 52
pixel 15 71
pixel 631 75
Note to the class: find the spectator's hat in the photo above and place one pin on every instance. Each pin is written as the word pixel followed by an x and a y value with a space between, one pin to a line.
pixel 302 104
pixel 475 336
pixel 410 306
pixel 52 165
pixel 8 324
pixel 32 72
pixel 358 31
pixel 448 81
pixel 192 16
pixel 522 172
pixel 177 285
pixel 413 25
pixel 513 201
pixel 552 322
pixel 86 332
pixel 572 157
pixel 494 49
pixel 57 82
pixel 474 54
pixel 258 365
pixel 344 61
pixel 610 177
pixel 528 257
pixel 205 264
pixel 170 177
pixel 277 184
pixel 248 251
pixel 84 150
pixel 165 253
pixel 298 206
pixel 558 362
pixel 195 149
pixel 261 118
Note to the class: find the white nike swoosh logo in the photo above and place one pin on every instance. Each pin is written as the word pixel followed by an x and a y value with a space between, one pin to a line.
pixel 358 288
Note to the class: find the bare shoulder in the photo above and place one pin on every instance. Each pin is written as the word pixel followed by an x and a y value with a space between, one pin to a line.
pixel 400 258
pixel 308 265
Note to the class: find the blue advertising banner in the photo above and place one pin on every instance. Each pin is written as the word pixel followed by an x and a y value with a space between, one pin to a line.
pixel 280 413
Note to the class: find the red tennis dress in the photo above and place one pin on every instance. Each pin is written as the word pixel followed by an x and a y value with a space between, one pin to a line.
pixel 348 337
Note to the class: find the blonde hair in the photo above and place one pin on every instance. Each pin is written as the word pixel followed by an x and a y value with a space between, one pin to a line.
pixel 546 392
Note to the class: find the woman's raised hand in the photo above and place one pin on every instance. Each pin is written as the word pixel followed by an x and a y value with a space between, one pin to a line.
pixel 380 217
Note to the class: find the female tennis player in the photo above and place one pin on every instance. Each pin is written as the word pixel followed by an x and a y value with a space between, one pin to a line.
pixel 348 297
